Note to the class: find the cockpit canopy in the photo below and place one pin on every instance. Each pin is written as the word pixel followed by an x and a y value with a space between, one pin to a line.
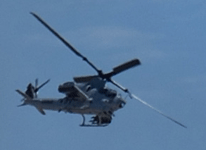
pixel 108 92
pixel 66 87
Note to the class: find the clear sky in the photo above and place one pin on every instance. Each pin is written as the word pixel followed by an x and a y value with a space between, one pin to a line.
pixel 168 36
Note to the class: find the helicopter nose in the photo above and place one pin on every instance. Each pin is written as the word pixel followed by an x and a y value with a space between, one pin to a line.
pixel 122 103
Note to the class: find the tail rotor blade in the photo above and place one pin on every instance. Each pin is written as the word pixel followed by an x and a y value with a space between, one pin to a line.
pixel 43 84
pixel 36 88
pixel 36 83
pixel 145 103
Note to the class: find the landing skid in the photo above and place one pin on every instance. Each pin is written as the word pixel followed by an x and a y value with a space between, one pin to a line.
pixel 91 125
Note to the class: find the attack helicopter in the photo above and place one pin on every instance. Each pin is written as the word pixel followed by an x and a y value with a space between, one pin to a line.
pixel 86 95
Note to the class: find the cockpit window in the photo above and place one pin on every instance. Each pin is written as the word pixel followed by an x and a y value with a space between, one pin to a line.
pixel 103 90
pixel 111 93
pixel 88 88
pixel 108 92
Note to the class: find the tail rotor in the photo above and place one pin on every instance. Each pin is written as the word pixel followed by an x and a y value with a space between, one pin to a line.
pixel 37 88
pixel 32 91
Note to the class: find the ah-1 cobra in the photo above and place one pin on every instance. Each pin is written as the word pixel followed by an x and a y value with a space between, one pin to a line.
pixel 86 94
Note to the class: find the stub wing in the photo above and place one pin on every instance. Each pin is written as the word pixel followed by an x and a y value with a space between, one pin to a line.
pixel 72 91
pixel 80 94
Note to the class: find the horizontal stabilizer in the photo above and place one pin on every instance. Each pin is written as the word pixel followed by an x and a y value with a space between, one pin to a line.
pixel 24 95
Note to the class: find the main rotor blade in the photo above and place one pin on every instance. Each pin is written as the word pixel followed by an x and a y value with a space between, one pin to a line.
pixel 84 79
pixel 119 86
pixel 122 67
pixel 65 42
pixel 126 65
pixel 143 102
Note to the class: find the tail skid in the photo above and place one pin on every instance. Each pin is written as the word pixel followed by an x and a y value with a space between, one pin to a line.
pixel 22 104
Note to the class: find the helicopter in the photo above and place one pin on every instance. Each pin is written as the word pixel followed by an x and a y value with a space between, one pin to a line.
pixel 86 95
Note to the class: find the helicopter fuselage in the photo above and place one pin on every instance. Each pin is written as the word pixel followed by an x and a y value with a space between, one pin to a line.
pixel 73 106
pixel 81 98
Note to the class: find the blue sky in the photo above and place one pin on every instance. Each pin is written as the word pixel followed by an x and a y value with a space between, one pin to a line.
pixel 168 36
